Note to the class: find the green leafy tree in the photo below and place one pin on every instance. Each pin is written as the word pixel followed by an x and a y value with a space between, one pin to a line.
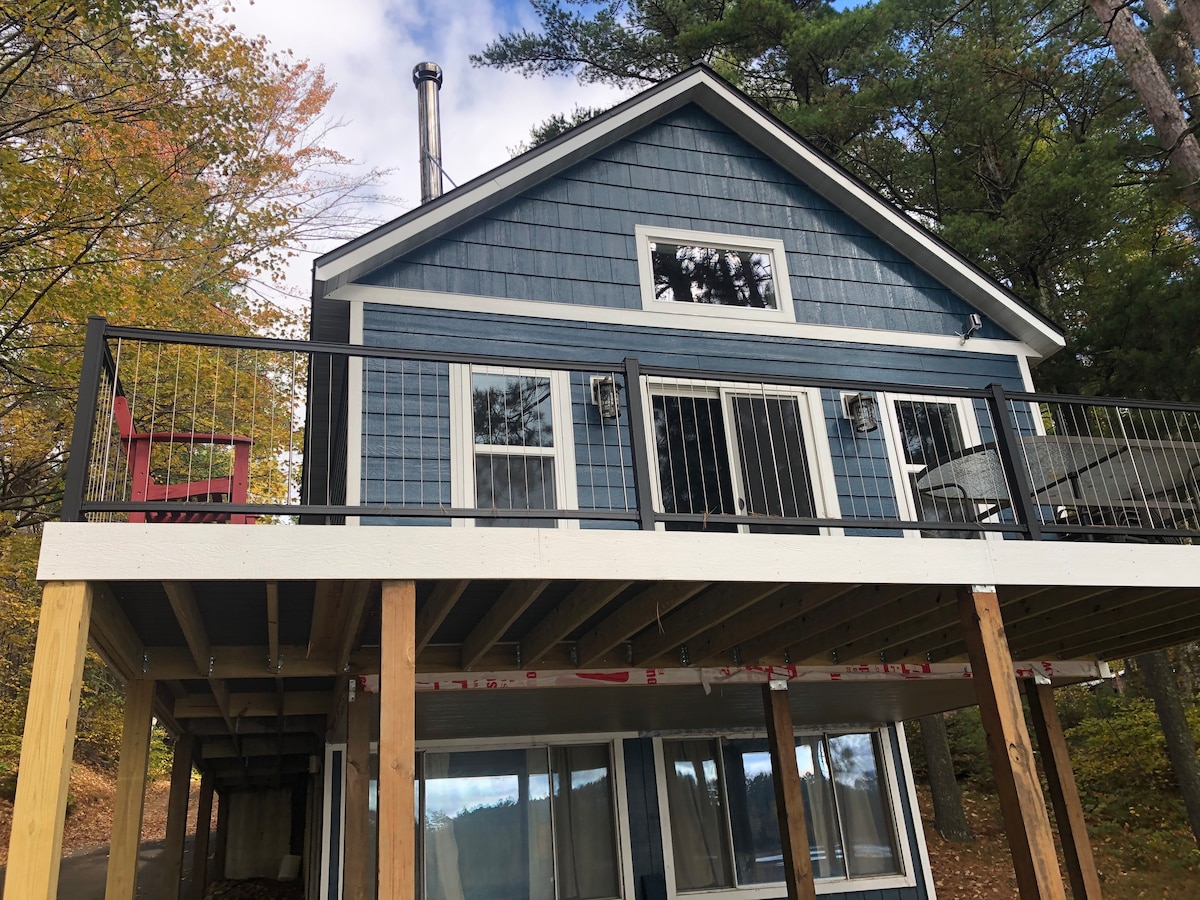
pixel 153 163
pixel 158 168
pixel 1010 129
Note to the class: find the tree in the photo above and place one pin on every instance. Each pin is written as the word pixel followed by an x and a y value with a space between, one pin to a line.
pixel 1181 747
pixel 949 818
pixel 152 162
pixel 1157 94
pixel 1007 128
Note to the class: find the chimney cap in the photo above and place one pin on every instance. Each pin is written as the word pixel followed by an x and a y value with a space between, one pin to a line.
pixel 427 71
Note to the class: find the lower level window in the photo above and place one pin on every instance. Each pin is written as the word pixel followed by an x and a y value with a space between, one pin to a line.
pixel 529 824
pixel 724 825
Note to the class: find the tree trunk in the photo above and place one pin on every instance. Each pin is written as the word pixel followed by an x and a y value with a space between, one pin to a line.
pixel 1181 748
pixel 1189 10
pixel 1173 49
pixel 949 819
pixel 1155 92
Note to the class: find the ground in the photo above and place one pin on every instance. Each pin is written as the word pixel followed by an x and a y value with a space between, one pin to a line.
pixel 977 871
pixel 983 870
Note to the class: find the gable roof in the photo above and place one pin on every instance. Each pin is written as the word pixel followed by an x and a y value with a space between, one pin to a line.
pixel 701 86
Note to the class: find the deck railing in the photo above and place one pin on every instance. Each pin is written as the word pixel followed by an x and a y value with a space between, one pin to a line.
pixel 185 427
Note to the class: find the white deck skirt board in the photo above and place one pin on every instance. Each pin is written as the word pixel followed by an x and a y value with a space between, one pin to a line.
pixel 144 552
pixel 1074 670
pixel 695 320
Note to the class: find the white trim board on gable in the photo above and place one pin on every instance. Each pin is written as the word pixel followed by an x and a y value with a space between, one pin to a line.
pixel 703 87
pixel 357 294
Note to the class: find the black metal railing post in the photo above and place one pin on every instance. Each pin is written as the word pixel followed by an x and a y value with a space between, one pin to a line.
pixel 85 420
pixel 637 444
pixel 1008 445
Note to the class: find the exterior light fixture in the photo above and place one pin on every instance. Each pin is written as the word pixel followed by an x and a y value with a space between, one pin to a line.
pixel 862 411
pixel 606 396
pixel 973 324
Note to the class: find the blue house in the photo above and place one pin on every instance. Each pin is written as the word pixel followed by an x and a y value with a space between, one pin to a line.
pixel 662 474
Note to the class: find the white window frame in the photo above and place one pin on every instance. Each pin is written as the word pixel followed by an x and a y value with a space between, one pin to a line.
pixel 614 742
pixel 816 444
pixel 463 448
pixel 906 503
pixel 771 891
pixel 647 234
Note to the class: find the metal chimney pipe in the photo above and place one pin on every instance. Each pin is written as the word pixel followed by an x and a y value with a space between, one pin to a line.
pixel 427 76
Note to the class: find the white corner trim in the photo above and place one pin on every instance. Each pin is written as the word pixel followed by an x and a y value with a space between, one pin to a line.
pixel 640 318
pixel 784 310
pixel 354 411
pixel 1026 374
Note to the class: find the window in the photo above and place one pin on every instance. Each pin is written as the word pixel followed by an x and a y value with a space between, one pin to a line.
pixel 734 451
pixel 517 437
pixel 527 824
pixel 724 830
pixel 929 431
pixel 713 274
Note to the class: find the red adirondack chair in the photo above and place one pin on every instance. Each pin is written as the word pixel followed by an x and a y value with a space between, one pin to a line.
pixel 231 488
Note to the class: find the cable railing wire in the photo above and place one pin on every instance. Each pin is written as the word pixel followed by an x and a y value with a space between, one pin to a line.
pixel 224 429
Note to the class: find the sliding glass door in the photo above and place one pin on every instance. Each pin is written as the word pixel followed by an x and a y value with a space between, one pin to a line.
pixel 724 451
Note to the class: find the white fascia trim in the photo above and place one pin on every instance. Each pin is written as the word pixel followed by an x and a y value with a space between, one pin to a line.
pixel 640 318
pixel 116 551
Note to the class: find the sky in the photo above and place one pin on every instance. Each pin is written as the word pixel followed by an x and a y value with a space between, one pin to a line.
pixel 368 49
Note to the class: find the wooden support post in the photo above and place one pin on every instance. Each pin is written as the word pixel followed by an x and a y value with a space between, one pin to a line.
pixel 121 883
pixel 397 684
pixel 203 830
pixel 1068 811
pixel 789 796
pixel 222 837
pixel 177 809
pixel 35 847
pixel 358 883
pixel 1025 819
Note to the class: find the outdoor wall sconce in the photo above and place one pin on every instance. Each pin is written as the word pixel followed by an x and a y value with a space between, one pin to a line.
pixel 862 412
pixel 606 396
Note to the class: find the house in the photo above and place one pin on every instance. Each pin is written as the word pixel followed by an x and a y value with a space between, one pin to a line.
pixel 648 484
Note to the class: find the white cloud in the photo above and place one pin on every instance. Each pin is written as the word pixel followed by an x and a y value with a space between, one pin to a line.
pixel 368 49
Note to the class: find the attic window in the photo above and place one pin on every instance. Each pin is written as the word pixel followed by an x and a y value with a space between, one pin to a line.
pixel 713 274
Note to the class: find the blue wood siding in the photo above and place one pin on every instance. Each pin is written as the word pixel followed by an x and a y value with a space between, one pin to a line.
pixel 645 827
pixel 405 437
pixel 571 238
pixel 406 415
pixel 603 459
pixel 412 328
pixel 861 469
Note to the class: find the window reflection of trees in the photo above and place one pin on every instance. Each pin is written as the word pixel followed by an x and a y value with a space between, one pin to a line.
pixel 724 824
pixel 511 410
pixel 713 275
